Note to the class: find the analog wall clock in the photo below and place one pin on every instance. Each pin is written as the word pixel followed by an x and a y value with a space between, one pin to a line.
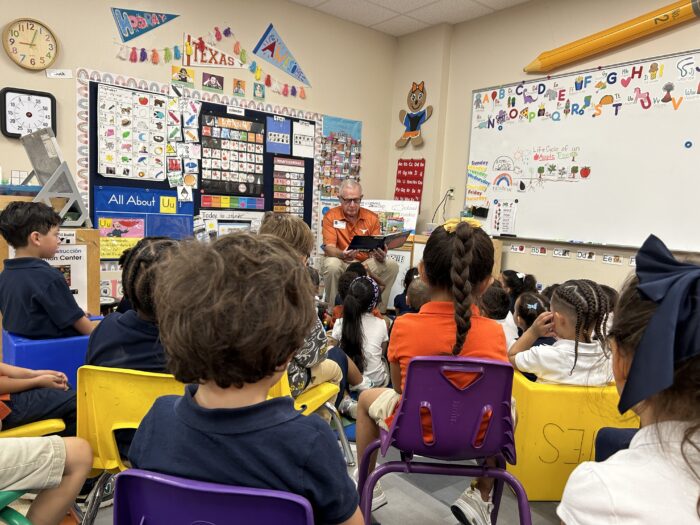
pixel 23 111
pixel 30 44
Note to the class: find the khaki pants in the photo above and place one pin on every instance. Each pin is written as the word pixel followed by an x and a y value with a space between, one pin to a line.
pixel 333 268
pixel 326 371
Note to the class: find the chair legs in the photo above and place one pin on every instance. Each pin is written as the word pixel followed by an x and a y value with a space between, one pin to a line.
pixel 349 456
pixel 367 481
pixel 94 499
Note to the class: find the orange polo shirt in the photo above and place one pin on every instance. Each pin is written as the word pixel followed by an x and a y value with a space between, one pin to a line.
pixel 338 232
pixel 431 332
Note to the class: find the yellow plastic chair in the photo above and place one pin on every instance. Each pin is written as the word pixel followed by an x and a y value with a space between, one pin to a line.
pixel 320 396
pixel 36 429
pixel 556 430
pixel 112 399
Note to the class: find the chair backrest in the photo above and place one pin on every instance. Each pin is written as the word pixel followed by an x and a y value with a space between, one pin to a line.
pixel 149 498
pixel 455 408
pixel 281 388
pixel 65 355
pixel 110 399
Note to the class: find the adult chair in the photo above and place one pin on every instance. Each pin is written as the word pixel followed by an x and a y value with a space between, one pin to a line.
pixel 149 498
pixel 112 399
pixel 308 402
pixel 452 409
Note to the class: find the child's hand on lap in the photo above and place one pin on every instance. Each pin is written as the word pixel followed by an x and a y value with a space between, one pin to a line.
pixel 543 325
pixel 51 379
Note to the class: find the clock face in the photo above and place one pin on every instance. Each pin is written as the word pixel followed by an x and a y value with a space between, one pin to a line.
pixel 23 111
pixel 30 44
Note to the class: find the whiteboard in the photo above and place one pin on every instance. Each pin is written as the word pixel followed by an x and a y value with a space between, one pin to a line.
pixel 605 156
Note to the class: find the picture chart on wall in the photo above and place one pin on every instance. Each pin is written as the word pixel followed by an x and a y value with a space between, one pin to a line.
pixel 607 155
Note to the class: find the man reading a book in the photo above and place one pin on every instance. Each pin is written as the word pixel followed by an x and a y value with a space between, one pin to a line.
pixel 340 225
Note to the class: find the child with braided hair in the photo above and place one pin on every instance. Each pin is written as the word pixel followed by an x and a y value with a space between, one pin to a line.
pixel 457 265
pixel 578 318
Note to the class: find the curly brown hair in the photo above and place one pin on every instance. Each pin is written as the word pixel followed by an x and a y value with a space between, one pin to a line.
pixel 291 229
pixel 235 311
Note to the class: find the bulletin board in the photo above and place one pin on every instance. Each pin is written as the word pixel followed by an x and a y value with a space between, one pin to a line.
pixel 606 155
pixel 142 194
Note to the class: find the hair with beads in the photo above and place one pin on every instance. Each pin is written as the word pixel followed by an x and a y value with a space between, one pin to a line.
pixel 529 306
pixel 457 261
pixel 586 305
pixel 139 272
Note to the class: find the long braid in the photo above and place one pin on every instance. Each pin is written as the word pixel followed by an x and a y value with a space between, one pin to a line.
pixel 463 245
pixel 599 315
pixel 569 293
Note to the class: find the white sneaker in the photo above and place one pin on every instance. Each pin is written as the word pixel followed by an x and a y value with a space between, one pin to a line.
pixel 348 407
pixel 364 385
pixel 470 509
pixel 379 499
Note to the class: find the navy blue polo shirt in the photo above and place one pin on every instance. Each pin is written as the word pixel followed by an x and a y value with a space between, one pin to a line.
pixel 35 300
pixel 268 445
pixel 126 341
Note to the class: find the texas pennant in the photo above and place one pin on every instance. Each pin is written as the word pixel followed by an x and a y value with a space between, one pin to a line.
pixel 209 56
pixel 272 48
pixel 132 23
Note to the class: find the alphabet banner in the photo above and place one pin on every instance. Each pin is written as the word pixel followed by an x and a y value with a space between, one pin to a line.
pixel 272 48
pixel 208 56
pixel 409 180
pixel 132 23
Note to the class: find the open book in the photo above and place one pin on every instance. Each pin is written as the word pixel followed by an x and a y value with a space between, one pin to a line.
pixel 367 243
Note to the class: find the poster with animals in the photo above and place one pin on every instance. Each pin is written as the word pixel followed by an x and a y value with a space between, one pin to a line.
pixel 581 151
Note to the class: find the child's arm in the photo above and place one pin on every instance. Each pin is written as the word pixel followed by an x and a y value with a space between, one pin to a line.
pixel 84 326
pixel 540 328
pixel 355 519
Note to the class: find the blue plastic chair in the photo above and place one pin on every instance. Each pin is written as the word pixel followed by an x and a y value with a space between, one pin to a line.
pixel 65 355
pixel 452 409
pixel 150 498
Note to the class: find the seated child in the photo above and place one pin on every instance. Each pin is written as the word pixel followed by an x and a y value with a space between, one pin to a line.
pixel 230 342
pixel 54 467
pixel 450 324
pixel 309 366
pixel 33 395
pixel 362 336
pixel 548 292
pixel 578 316
pixel 35 300
pixel 400 303
pixel 130 339
pixel 528 308
pixel 655 343
pixel 495 304
pixel 418 295
pixel 516 283
pixel 344 281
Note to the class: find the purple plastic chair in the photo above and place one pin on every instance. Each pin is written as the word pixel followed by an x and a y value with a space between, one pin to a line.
pixel 150 498
pixel 468 422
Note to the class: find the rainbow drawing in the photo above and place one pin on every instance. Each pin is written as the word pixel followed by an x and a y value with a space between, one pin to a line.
pixel 503 180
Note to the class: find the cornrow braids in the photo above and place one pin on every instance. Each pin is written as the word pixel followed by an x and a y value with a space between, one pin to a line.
pixel 463 245
pixel 586 299
pixel 138 273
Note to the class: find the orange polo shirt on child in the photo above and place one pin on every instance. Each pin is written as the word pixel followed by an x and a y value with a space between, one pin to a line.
pixel 338 232
pixel 431 332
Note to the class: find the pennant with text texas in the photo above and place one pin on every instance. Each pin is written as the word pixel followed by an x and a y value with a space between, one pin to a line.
pixel 272 48
pixel 132 22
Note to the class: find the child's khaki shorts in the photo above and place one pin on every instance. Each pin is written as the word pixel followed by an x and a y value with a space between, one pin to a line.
pixel 31 463
pixel 384 406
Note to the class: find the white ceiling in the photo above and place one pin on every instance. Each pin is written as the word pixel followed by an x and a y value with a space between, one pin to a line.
pixel 400 17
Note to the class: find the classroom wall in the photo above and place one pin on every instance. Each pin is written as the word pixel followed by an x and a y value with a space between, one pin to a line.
pixel 350 67
pixel 492 50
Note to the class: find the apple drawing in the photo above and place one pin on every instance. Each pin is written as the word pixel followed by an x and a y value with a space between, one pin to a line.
pixel 585 172
pixel 143 101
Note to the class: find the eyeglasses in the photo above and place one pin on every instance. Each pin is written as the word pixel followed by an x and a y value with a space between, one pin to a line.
pixel 348 201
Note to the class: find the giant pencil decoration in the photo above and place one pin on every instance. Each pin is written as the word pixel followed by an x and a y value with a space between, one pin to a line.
pixel 659 20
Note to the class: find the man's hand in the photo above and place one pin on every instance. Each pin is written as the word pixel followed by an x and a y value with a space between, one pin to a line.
pixel 379 254
pixel 348 255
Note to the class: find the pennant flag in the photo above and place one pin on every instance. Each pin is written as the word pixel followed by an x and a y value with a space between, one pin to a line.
pixel 132 23
pixel 207 55
pixel 272 48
